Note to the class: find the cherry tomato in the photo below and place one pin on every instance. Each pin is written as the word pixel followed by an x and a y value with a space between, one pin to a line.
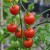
pixel 14 9
pixel 28 43
pixel 11 27
pixel 29 33
pixel 19 33
pixel 9 0
pixel 29 19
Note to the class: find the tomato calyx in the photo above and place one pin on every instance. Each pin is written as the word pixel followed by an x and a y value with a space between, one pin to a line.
pixel 27 14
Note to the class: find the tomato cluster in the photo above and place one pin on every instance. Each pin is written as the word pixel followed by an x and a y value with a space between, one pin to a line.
pixel 19 33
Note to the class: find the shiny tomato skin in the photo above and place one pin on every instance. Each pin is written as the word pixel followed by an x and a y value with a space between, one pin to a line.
pixel 11 27
pixel 19 33
pixel 29 33
pixel 29 19
pixel 14 9
pixel 28 43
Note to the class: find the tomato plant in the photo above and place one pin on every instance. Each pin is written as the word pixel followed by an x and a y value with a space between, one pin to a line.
pixel 26 38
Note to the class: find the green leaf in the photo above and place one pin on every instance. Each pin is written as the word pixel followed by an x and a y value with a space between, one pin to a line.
pixel 1 36
pixel 15 44
pixel 31 6
pixel 1 31
pixel 25 1
pixel 12 38
pixel 37 16
pixel 10 48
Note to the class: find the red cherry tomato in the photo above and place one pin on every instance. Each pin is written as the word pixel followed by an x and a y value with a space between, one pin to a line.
pixel 28 43
pixel 14 9
pixel 19 34
pixel 29 19
pixel 29 33
pixel 11 27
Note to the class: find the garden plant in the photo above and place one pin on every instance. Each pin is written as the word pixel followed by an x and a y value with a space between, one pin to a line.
pixel 23 37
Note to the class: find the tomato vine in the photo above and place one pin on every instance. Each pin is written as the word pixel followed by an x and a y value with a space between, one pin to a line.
pixel 24 37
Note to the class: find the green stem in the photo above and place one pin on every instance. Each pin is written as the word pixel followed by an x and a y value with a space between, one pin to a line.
pixel 20 20
pixel 18 24
pixel 3 38
pixel 20 15
pixel 40 24
pixel 29 48
pixel 23 6
pixel 41 47
pixel 44 12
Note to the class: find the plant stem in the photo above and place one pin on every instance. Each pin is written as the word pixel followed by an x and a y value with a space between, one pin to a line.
pixel 29 48
pixel 20 21
pixel 18 24
pixel 20 14
pixel 23 6
pixel 3 37
pixel 44 12
pixel 41 47
pixel 40 24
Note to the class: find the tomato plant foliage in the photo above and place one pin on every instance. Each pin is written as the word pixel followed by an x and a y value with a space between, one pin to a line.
pixel 27 38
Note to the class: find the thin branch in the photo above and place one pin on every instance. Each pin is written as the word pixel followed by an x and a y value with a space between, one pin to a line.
pixel 3 38
pixel 40 24
pixel 44 11
pixel 23 6
pixel 20 14
pixel 18 24
pixel 41 47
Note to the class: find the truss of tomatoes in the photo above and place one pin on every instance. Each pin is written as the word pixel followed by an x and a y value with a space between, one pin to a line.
pixel 19 33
